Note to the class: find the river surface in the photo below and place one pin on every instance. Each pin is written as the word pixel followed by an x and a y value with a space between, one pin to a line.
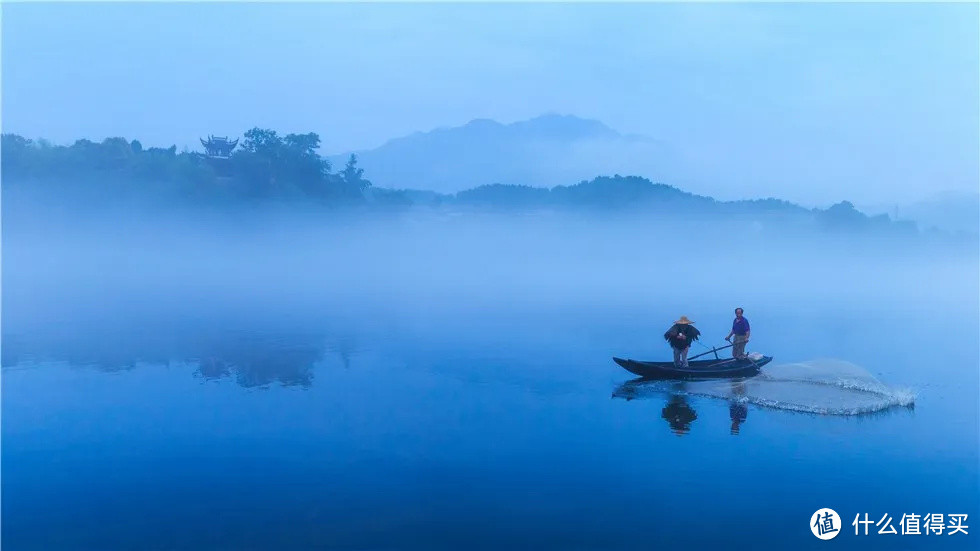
pixel 156 400
pixel 498 429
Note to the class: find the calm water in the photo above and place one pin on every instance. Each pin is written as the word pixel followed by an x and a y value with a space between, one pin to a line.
pixel 449 384
pixel 255 427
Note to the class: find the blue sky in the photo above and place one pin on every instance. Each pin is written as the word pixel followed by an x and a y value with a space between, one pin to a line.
pixel 809 102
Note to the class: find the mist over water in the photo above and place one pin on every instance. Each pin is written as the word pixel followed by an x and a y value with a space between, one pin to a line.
pixel 430 274
pixel 400 378
pixel 443 259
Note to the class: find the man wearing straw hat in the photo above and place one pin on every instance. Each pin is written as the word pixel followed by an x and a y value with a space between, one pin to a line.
pixel 680 336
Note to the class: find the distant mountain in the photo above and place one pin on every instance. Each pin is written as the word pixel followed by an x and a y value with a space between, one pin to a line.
pixel 545 151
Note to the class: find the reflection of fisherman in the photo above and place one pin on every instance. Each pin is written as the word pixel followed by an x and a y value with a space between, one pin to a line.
pixel 737 410
pixel 679 414
pixel 680 336
pixel 740 330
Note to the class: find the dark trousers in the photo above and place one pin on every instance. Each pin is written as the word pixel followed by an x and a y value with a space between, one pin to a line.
pixel 680 357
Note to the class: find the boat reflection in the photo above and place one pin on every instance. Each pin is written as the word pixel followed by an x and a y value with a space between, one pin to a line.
pixel 678 411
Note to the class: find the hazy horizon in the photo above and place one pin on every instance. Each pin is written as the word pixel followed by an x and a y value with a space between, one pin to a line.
pixel 809 103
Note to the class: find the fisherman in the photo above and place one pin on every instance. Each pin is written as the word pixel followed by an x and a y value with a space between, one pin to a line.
pixel 740 330
pixel 680 336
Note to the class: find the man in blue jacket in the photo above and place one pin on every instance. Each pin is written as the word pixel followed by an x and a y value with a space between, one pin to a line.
pixel 740 330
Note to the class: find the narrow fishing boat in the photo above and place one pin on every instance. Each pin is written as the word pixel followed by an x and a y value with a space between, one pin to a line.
pixel 717 368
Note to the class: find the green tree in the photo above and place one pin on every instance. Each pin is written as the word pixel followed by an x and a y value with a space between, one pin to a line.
pixel 352 176
pixel 262 142
pixel 303 144
pixel 18 155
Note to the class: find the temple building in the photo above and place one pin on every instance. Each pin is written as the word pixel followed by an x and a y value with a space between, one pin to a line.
pixel 216 146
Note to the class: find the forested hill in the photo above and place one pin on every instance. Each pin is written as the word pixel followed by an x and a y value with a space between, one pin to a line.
pixel 267 166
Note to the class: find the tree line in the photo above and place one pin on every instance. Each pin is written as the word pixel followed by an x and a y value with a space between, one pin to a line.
pixel 268 166
pixel 265 165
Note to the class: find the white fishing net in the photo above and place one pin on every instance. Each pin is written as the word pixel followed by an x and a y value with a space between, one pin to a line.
pixel 831 387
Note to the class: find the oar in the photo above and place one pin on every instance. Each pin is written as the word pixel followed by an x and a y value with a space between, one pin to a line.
pixel 713 349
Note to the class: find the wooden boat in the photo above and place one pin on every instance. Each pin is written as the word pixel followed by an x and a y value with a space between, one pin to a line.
pixel 716 368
